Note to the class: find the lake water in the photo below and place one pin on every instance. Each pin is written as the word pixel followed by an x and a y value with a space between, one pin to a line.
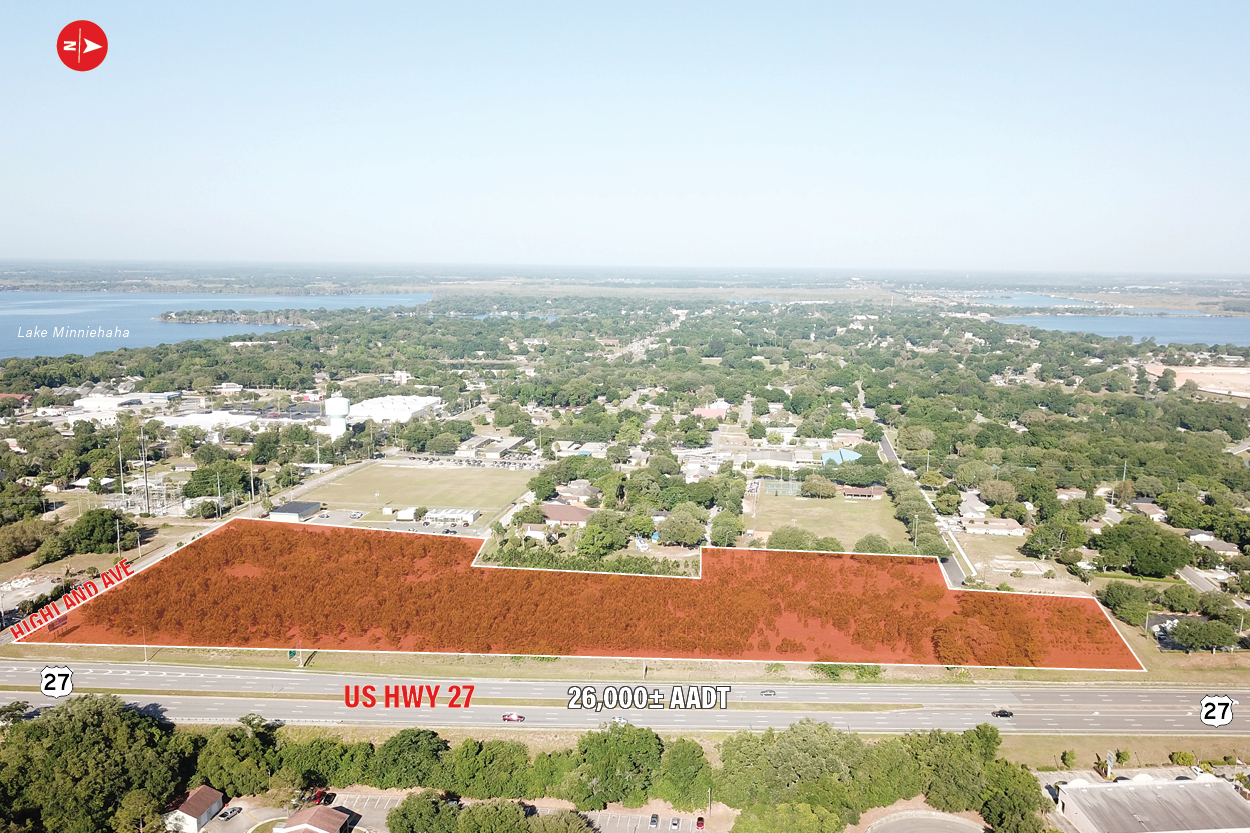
pixel 22 311
pixel 1165 329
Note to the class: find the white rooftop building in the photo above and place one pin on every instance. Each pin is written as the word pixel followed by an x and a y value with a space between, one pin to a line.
pixel 1144 804
pixel 210 421
pixel 394 408
pixel 452 516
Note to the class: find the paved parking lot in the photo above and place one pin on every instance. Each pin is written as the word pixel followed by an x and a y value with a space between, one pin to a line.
pixel 608 822
pixel 368 815
pixel 368 811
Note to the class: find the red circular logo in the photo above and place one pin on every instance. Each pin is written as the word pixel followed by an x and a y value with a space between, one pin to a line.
pixel 82 45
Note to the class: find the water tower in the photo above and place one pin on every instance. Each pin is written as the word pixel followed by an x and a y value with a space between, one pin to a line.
pixel 337 408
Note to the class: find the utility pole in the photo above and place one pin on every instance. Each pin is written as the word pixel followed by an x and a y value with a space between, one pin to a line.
pixel 143 454
pixel 118 521
pixel 251 484
pixel 219 496
pixel 121 467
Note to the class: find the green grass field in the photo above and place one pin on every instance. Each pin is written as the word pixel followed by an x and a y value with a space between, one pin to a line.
pixel 847 520
pixel 447 487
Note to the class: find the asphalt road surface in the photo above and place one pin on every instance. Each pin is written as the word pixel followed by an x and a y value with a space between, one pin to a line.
pixel 924 823
pixel 888 450
pixel 191 694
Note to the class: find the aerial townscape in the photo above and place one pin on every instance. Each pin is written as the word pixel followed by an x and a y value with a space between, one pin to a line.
pixel 895 480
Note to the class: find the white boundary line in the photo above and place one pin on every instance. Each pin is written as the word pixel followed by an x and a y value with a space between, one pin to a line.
pixel 617 657
pixel 935 559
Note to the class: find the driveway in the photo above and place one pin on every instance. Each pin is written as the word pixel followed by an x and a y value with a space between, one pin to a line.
pixel 253 814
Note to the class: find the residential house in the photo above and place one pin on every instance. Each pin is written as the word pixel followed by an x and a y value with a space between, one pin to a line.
pixel 993 526
pixel 564 516
pixel 578 492
pixel 971 506
pixel 1151 510
pixel 1223 548
pixel 536 531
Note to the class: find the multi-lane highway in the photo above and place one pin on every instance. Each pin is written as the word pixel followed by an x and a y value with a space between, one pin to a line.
pixel 196 694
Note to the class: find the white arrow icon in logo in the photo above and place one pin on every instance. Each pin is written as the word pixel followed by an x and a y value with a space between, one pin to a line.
pixel 91 46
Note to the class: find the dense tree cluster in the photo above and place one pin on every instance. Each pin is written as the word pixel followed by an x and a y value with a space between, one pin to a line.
pixel 94 763
pixel 1217 625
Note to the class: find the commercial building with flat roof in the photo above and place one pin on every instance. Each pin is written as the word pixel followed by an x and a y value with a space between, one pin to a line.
pixel 1144 804
pixel 296 511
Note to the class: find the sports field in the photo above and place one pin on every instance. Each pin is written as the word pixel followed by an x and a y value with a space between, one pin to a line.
pixel 846 520
pixel 444 487
pixel 267 584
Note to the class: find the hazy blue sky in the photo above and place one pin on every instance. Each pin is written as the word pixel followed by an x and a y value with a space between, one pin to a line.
pixel 1078 136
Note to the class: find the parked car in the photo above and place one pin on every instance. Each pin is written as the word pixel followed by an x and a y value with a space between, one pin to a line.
pixel 317 796
pixel 229 813
pixel 325 514
pixel 355 516
pixel 698 823
pixel 513 717
pixel 675 824
pixel 655 820
pixel 1002 713
pixel 328 799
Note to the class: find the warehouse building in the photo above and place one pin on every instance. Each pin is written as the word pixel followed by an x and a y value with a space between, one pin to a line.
pixel 1144 804
pixel 297 511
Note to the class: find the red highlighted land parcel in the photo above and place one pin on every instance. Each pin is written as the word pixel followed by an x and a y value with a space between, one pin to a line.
pixel 261 584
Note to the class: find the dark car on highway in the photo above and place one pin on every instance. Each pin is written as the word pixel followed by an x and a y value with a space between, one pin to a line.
pixel 1002 713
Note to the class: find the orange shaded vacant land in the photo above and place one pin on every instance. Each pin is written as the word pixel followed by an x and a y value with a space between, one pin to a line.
pixel 265 585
